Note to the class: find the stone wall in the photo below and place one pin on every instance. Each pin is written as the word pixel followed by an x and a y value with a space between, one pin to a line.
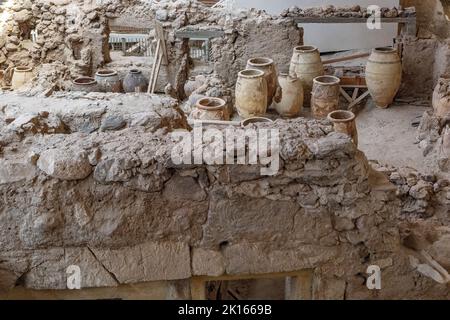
pixel 114 203
pixel 421 70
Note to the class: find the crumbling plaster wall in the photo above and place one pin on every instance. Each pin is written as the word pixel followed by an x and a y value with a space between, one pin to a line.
pixel 427 56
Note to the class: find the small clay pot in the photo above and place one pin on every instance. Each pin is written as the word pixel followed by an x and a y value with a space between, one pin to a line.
pixel 21 76
pixel 270 73
pixel 84 84
pixel 108 81
pixel 344 122
pixel 209 108
pixel 135 81
pixel 251 120
pixel 325 96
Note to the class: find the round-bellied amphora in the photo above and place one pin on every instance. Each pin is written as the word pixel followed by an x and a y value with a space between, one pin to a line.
pixel 306 64
pixel 108 81
pixel 135 81
pixel 383 75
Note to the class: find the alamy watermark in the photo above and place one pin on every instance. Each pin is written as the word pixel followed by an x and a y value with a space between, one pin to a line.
pixel 242 146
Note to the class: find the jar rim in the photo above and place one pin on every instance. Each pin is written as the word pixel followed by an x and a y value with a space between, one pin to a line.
pixel 341 116
pixel 210 103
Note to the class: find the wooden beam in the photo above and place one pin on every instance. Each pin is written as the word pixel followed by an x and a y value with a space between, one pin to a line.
pixel 346 58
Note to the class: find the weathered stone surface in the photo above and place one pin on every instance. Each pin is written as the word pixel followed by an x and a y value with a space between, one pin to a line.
pixel 207 263
pixel 65 164
pixel 257 258
pixel 18 170
pixel 147 262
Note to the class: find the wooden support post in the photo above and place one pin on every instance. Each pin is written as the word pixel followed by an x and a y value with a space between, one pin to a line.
pixel 152 75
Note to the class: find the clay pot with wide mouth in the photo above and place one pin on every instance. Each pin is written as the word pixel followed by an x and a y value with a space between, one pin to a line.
pixel 251 120
pixel 21 76
pixel 209 108
pixel 135 81
pixel 441 97
pixel 306 65
pixel 325 96
pixel 108 81
pixel 344 122
pixel 84 84
pixel 383 75
pixel 288 100
pixel 251 93
pixel 270 73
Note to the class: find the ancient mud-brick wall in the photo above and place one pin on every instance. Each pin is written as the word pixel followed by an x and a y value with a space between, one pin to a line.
pixel 426 56
pixel 115 204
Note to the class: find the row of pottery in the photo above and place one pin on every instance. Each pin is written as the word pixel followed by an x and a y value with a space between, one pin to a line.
pixel 441 97
pixel 383 72
pixel 109 81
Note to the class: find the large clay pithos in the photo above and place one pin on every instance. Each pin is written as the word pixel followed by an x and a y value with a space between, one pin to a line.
pixel 108 81
pixel 209 108
pixel 251 93
pixel 306 65
pixel 268 67
pixel 135 81
pixel 344 122
pixel 441 97
pixel 288 100
pixel 325 96
pixel 21 76
pixel 84 84
pixel 383 75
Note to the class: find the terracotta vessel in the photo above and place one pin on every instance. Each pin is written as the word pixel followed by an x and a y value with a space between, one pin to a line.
pixel 251 120
pixel 270 73
pixel 288 100
pixel 21 76
pixel 441 97
pixel 325 96
pixel 135 81
pixel 85 84
pixel 306 64
pixel 210 109
pixel 251 93
pixel 344 122
pixel 108 81
pixel 383 75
